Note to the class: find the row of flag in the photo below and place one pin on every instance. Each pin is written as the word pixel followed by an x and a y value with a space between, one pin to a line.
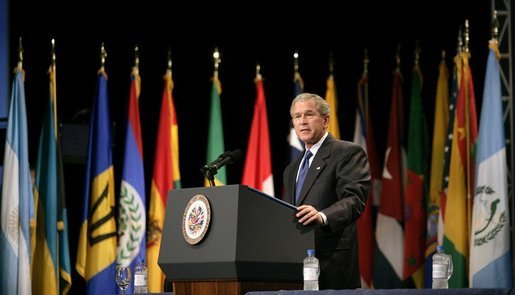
pixel 413 206
pixel 457 196
pixel 34 218
pixel 33 211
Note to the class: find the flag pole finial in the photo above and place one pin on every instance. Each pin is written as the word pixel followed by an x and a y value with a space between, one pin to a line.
pixel 52 41
pixel 365 62
pixel 296 61
pixel 169 59
pixel 216 59
pixel 417 52
pixel 136 56
pixel 331 62
pixel 258 71
pixel 20 54
pixel 495 27
pixel 494 42
pixel 466 36
pixel 398 57
pixel 103 55
pixel 459 41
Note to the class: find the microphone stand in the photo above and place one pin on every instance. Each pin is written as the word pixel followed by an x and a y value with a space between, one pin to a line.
pixel 209 173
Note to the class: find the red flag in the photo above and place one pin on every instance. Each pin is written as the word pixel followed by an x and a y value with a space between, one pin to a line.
pixel 364 136
pixel 415 219
pixel 166 177
pixel 461 179
pixel 258 164
pixel 388 266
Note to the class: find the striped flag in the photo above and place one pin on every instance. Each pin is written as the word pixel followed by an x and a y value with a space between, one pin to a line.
pixel 364 136
pixel 257 172
pixel 461 179
pixel 131 207
pixel 456 76
pixel 96 254
pixel 490 255
pixel 388 259
pixel 166 177
pixel 215 141
pixel 296 145
pixel 332 100
pixel 51 262
pixel 441 119
pixel 415 215
pixel 17 206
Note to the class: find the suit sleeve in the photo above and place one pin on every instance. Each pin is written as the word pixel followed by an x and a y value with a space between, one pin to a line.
pixel 352 185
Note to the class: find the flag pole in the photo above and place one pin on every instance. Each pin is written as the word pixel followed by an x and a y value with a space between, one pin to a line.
pixel 331 63
pixel 53 85
pixel 169 66
pixel 494 43
pixel 208 172
pixel 19 67
pixel 135 69
pixel 169 60
pixel 296 73
pixel 364 107
pixel 103 56
pixel 135 72
pixel 296 62
pixel 258 72
pixel 398 59
pixel 466 56
pixel 397 71
pixel 53 93
pixel 216 59
pixel 418 50
pixel 136 56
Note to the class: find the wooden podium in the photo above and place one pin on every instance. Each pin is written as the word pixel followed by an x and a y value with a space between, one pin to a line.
pixel 253 242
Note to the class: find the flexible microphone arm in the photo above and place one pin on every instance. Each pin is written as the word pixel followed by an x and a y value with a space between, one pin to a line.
pixel 210 170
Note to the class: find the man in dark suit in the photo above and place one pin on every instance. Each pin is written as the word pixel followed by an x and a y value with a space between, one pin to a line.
pixel 333 194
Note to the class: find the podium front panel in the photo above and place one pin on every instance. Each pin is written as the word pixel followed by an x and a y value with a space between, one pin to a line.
pixel 251 236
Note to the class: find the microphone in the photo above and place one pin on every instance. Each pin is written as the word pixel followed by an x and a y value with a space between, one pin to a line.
pixel 209 170
pixel 224 159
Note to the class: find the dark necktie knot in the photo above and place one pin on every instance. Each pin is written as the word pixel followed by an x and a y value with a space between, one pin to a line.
pixel 302 174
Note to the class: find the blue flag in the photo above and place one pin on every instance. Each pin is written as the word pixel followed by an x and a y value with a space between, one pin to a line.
pixel 52 274
pixel 17 206
pixel 296 146
pixel 490 255
pixel 132 212
pixel 96 254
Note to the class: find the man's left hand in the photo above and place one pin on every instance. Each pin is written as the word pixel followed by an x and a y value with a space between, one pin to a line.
pixel 307 214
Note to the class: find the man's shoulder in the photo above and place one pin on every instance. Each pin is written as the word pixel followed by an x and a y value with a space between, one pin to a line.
pixel 340 143
pixel 343 146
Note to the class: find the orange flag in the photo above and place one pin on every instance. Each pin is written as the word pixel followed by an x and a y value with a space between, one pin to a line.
pixel 166 177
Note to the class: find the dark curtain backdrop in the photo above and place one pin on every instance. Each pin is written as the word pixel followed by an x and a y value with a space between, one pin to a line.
pixel 245 34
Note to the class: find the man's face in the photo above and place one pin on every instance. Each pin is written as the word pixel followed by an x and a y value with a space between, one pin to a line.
pixel 309 125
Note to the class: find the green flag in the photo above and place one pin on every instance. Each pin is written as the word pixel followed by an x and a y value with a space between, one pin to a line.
pixel 215 140
pixel 415 220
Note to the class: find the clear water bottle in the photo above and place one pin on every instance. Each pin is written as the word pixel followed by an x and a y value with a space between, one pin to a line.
pixel 141 277
pixel 442 268
pixel 311 271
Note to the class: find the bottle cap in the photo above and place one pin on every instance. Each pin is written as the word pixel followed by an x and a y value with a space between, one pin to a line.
pixel 439 248
pixel 311 251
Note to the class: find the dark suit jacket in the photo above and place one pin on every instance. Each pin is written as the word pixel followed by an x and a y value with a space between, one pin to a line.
pixel 337 184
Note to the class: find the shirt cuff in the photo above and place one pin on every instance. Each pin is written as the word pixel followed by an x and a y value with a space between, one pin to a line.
pixel 324 218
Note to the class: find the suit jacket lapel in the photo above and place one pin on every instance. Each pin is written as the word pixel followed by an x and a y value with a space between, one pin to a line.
pixel 292 181
pixel 316 167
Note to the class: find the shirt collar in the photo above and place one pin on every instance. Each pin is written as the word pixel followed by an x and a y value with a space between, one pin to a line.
pixel 314 149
